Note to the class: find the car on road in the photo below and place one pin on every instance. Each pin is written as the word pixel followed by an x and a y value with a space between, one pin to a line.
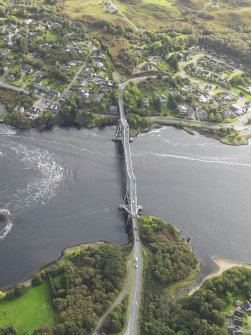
pixel 136 266
pixel 137 238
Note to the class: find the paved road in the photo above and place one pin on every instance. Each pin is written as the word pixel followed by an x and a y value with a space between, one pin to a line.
pixel 132 325
pixel 13 87
pixel 74 78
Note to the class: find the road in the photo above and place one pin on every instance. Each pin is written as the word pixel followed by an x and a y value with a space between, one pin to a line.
pixel 14 88
pixel 134 306
pixel 74 78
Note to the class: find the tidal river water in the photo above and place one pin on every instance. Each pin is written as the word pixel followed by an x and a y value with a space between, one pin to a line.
pixel 62 187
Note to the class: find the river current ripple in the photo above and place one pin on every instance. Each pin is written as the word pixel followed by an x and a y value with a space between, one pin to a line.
pixel 62 187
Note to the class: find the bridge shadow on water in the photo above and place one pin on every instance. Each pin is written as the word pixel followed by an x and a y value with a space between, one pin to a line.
pixel 121 168
pixel 122 177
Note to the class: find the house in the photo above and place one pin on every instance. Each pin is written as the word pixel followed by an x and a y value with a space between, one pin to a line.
pixel 25 68
pixel 202 99
pixel 246 306
pixel 84 94
pixel 97 96
pixel 175 92
pixel 4 52
pixel 98 54
pixel 145 102
pixel 106 87
pixel 208 88
pixel 239 313
pixel 54 93
pixel 226 114
pixel 190 111
pixel 186 89
pixel 9 40
pixel 183 109
pixel 98 64
pixel 99 78
pixel 54 109
pixel 10 77
pixel 138 50
pixel 28 21
pixel 74 62
pixel 113 109
pixel 237 322
pixel 248 89
pixel 163 99
pixel 238 111
pixel 64 67
pixel 190 67
pixel 228 98
pixel 33 112
pixel 147 67
pixel 154 59
pixel 3 30
pixel 111 8
pixel 38 74
pixel 84 82
pixel 202 115
pixel 87 43
pixel 87 74
pixel 46 89
pixel 32 36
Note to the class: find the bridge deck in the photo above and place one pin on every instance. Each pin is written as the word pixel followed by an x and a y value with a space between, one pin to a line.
pixel 131 186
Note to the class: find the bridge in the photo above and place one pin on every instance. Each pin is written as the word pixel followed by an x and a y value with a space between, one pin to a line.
pixel 131 207
pixel 123 131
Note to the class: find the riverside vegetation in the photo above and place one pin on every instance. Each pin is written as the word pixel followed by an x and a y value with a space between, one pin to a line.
pixel 169 259
pixel 68 297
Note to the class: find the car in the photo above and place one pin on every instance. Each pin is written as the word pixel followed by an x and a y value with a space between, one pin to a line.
pixel 137 238
pixel 136 259
pixel 136 228
pixel 136 266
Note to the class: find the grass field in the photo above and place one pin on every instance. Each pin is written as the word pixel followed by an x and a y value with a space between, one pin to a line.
pixel 91 10
pixel 152 14
pixel 50 37
pixel 29 311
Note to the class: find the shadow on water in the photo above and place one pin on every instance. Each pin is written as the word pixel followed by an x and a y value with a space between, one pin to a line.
pixel 122 176
pixel 121 168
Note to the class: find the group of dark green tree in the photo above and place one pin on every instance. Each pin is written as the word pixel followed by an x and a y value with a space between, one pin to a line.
pixel 169 260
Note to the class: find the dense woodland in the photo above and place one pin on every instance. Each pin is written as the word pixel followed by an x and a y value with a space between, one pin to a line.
pixel 170 259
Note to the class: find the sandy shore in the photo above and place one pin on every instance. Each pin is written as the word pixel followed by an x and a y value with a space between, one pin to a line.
pixel 221 266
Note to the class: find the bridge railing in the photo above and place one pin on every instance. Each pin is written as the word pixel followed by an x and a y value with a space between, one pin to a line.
pixel 131 180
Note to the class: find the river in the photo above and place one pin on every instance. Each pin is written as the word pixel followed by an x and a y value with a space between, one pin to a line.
pixel 62 187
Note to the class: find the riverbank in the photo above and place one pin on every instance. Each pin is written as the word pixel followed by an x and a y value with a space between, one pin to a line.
pixel 223 135
pixel 221 265
pixel 65 252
